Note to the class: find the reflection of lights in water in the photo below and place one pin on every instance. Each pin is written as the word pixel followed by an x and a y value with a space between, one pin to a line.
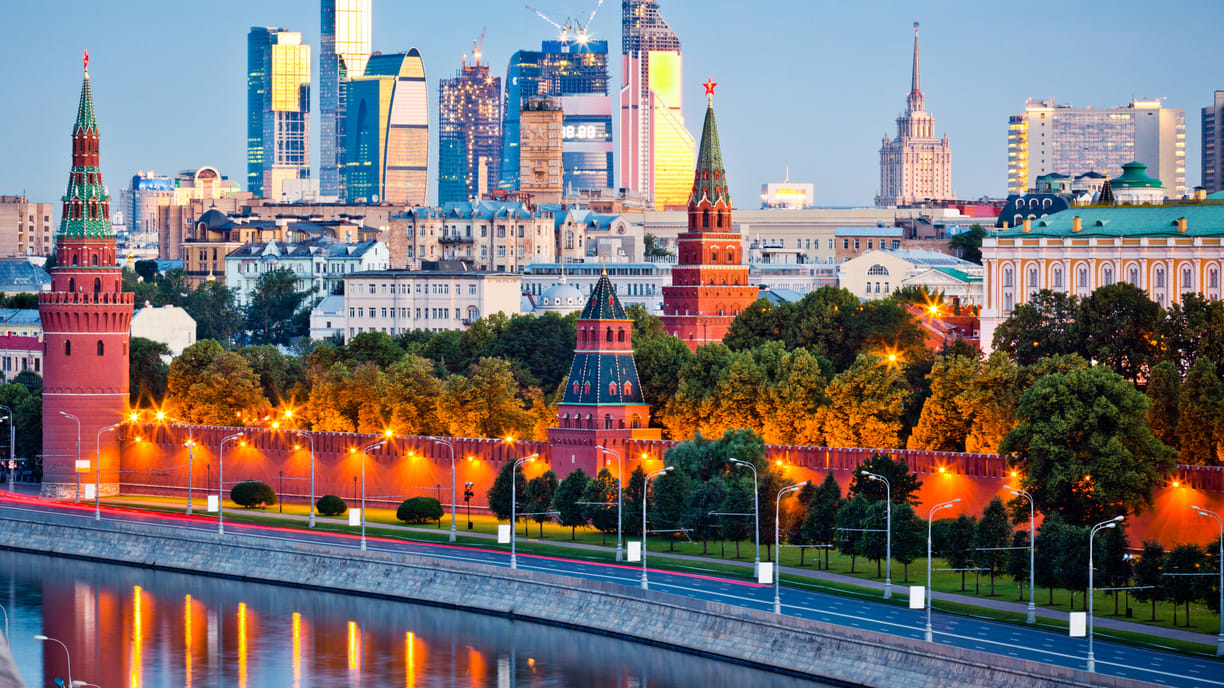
pixel 476 666
pixel 531 663
pixel 297 649
pixel 187 639
pixel 242 645
pixel 409 660
pixel 137 632
pixel 352 645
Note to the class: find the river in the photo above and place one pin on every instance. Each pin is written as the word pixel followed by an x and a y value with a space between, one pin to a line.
pixel 133 627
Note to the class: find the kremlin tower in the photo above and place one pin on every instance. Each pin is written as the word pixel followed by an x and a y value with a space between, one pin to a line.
pixel 709 282
pixel 86 320
pixel 603 404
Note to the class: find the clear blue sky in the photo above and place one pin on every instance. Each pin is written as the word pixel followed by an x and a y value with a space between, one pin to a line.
pixel 813 85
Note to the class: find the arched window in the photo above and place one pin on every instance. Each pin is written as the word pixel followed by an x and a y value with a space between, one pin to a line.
pixel 67 347
pixel 72 284
pixel 1159 278
pixel 612 389
pixel 97 285
pixel 628 388
pixel 583 334
pixel 713 255
pixel 565 420
pixel 1032 278
pixel 620 335
pixel 1213 278
pixel 100 348
pixel 877 269
pixel 1008 279
pixel 586 388
pixel 1056 277
pixel 575 388
pixel 590 422
pixel 637 421
pixel 1187 280
pixel 607 421
pixel 75 260
pixel 609 337
pixel 1134 276
pixel 705 218
pixel 95 259
pixel 1106 276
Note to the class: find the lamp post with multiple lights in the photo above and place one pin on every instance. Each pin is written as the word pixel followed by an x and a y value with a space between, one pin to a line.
pixel 514 505
pixel 1103 525
pixel 929 633
pixel 364 452
pixel 451 447
pixel 887 528
pixel 645 494
pixel 778 543
pixel 76 498
pixel 1031 614
pixel 43 638
pixel 756 511
pixel 221 481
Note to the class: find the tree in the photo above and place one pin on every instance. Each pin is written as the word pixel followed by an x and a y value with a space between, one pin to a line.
pixel 210 386
pixel 968 244
pixel 794 393
pixel 1071 560
pixel 989 404
pixel 761 322
pixel 1112 562
pixel 1149 574
pixel 420 510
pixel 992 534
pixel 631 498
pixel 485 404
pixel 1084 446
pixel 908 536
pixel 959 552
pixel 540 344
pixel 707 497
pixel 214 308
pixel 737 501
pixel 1118 325
pixel 499 494
pixel 903 485
pixel 651 247
pixel 1050 539
pixel 280 376
pixel 865 403
pixel 571 490
pixel 330 505
pixel 540 492
pixel 942 426
pixel 1018 560
pixel 373 347
pixel 275 301
pixel 669 494
pixel 1200 408
pixel 602 513
pixel 1194 328
pixel 1187 560
pixel 874 545
pixel 146 269
pixel 147 371
pixel 414 396
pixel 820 522
pixel 251 494
pixel 851 519
pixel 659 361
pixel 27 407
pixel 1163 393
pixel 1042 327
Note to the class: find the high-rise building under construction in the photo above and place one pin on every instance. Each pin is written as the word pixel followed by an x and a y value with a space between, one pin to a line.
pixel 469 133
pixel 656 150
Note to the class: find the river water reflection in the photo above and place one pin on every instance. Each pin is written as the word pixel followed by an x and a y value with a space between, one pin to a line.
pixel 135 627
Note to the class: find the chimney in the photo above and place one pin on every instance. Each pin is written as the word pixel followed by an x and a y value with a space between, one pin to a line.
pixel 1028 226
pixel 1077 224
pixel 1182 225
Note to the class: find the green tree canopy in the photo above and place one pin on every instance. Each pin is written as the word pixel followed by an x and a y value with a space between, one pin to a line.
pixel 1118 325
pixel 211 386
pixel 148 372
pixel 1044 326
pixel 499 495
pixel 942 426
pixel 213 306
pixel 902 484
pixel 1163 393
pixel 281 376
pixel 865 404
pixel 275 301
pixel 571 514
pixel 993 532
pixel 540 492
pixel 601 489
pixel 968 244
pixel 1200 415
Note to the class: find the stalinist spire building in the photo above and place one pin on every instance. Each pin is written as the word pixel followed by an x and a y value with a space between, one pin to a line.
pixel 915 166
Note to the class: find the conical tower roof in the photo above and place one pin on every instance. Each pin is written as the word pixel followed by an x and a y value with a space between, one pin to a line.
pixel 1106 197
pixel 86 205
pixel 603 304
pixel 85 119
pixel 710 178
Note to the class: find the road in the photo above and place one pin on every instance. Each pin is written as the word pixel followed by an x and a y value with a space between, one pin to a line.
pixel 1005 639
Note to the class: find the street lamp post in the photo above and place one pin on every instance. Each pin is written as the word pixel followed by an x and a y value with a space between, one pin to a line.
pixel 887 528
pixel 309 436
pixel 365 452
pixel 221 481
pixel 468 493
pixel 1031 615
pixel 190 444
pixel 76 499
pixel 98 475
pixel 778 543
pixel 756 511
pixel 929 634
pixel 1219 565
pixel 620 482
pixel 1111 523
pixel 514 506
pixel 12 444
pixel 43 638
pixel 451 447
pixel 645 493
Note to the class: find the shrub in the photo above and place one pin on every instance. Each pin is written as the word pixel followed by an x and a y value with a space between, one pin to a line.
pixel 330 505
pixel 419 510
pixel 252 493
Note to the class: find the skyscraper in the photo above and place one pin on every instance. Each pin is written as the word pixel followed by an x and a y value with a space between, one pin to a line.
pixel 278 110
pixel 386 132
pixel 1213 144
pixel 344 50
pixel 1048 137
pixel 575 71
pixel 915 166
pixel 469 133
pixel 656 150
pixel 710 281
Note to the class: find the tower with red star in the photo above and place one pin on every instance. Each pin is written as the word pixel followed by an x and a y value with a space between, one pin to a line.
pixel 710 281
pixel 86 320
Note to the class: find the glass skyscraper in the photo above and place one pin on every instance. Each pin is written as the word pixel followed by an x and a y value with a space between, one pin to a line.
pixel 469 133
pixel 386 132
pixel 344 49
pixel 575 72
pixel 278 110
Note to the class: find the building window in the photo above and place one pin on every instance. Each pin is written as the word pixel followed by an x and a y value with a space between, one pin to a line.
pixel 1134 276
pixel 1187 280
pixel 877 270
pixel 1159 278
pixel 1056 277
pixel 67 347
pixel 1008 279
pixel 1106 276
pixel 100 347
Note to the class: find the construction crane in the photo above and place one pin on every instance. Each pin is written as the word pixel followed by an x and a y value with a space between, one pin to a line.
pixel 572 26
pixel 477 47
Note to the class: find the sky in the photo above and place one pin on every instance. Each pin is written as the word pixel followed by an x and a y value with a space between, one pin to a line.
pixel 806 84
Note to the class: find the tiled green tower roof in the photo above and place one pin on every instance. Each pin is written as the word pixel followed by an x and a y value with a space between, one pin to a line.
pixel 710 179
pixel 86 205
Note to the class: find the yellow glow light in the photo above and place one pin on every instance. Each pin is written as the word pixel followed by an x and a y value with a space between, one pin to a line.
pixel 352 645
pixel 1013 474
pixel 1176 484
pixel 943 470
pixel 275 425
pixel 387 433
pixel 288 413
pixel 134 416
pixel 137 638
pixel 242 443
pixel 187 638
pixel 161 415
pixel 509 438
pixel 297 447
pixel 779 462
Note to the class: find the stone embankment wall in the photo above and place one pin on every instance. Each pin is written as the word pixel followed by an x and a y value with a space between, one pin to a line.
pixel 796 646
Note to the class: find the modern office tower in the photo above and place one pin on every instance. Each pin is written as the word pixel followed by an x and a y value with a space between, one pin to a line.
pixel 541 149
pixel 1213 144
pixel 25 227
pixel 344 49
pixel 915 166
pixel 656 150
pixel 386 132
pixel 469 133
pixel 709 284
pixel 575 71
pixel 1048 137
pixel 278 110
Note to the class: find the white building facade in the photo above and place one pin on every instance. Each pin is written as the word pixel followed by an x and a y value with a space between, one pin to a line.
pixel 398 301
pixel 320 265
pixel 877 274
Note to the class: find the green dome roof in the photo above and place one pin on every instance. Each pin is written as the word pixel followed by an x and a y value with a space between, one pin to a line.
pixel 1134 176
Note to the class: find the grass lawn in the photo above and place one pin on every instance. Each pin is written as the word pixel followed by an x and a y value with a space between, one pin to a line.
pixel 717 558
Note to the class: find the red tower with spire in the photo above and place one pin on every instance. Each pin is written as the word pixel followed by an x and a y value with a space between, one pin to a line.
pixel 709 282
pixel 86 321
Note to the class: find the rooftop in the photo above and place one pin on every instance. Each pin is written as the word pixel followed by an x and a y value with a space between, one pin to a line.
pixel 892 232
pixel 1202 219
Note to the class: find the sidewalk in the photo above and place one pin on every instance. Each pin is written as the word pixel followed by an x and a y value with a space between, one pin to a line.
pixel 1099 622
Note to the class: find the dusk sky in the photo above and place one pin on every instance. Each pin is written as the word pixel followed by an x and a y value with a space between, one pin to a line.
pixel 812 85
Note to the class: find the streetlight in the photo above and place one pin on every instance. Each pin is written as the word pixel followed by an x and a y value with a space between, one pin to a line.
pixel 756 511
pixel 1111 523
pixel 365 452
pixel 98 475
pixel 12 444
pixel 645 494
pixel 190 444
pixel 929 635
pixel 514 505
pixel 309 436
pixel 778 543
pixel 620 482
pixel 468 493
pixel 887 528
pixel 76 499
pixel 451 447
pixel 1219 565
pixel 43 639
pixel 1031 616
pixel 221 482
